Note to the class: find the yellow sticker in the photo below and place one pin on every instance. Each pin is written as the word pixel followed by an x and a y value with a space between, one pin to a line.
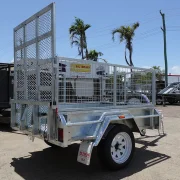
pixel 81 68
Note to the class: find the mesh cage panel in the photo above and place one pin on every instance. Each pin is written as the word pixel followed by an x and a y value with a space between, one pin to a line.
pixel 44 23
pixel 19 38
pixel 85 84
pixel 29 120
pixel 45 50
pixel 33 49
pixel 34 58
pixel 31 87
pixel 31 30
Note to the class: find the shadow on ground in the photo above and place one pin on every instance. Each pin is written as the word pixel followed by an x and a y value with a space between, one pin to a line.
pixel 7 128
pixel 61 164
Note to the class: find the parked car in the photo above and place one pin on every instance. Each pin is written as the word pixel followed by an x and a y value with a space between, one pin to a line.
pixel 171 94
pixel 128 96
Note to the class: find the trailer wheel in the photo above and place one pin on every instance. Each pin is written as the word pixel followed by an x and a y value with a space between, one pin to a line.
pixel 172 102
pixel 133 101
pixel 117 149
pixel 50 144
pixel 159 101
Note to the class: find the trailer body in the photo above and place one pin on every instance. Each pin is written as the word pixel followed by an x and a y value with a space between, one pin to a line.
pixel 63 100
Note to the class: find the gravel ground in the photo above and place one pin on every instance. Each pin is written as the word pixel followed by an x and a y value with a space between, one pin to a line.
pixel 156 157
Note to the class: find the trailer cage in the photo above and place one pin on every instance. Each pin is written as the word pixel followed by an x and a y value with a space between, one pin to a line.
pixel 63 100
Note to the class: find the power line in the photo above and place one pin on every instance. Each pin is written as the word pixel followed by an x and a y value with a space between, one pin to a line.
pixel 110 45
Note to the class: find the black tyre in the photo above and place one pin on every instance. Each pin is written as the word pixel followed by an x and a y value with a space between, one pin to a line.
pixel 134 100
pixel 159 101
pixel 50 144
pixel 172 102
pixel 117 149
pixel 6 113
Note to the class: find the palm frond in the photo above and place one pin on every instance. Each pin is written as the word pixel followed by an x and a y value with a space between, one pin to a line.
pixel 135 25
pixel 100 54
pixel 75 42
pixel 87 26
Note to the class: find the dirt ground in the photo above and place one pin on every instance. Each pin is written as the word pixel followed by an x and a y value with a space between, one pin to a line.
pixel 156 157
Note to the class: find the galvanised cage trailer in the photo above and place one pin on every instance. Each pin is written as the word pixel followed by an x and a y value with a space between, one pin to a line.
pixel 63 100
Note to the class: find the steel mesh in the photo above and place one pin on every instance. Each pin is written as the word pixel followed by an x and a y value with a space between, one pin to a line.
pixel 30 30
pixel 29 119
pixel 31 87
pixel 94 84
pixel 33 70
pixel 19 38
pixel 45 48
pixel 33 44
pixel 44 23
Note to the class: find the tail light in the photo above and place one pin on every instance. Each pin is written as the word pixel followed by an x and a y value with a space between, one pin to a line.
pixel 57 111
pixel 60 134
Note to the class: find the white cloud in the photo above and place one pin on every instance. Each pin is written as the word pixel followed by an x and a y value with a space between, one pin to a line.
pixel 147 67
pixel 175 70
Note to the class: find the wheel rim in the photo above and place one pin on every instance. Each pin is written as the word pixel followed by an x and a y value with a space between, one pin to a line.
pixel 121 147
pixel 158 101
pixel 134 101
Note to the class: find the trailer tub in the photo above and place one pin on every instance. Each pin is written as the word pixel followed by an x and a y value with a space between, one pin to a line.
pixel 63 101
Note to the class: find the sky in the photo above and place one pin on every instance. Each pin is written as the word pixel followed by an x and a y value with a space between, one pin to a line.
pixel 103 16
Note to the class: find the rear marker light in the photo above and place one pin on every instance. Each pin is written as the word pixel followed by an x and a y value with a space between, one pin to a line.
pixel 60 134
pixel 121 116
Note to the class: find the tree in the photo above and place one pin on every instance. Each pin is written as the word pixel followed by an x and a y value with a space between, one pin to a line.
pixel 77 33
pixel 159 73
pixel 142 78
pixel 94 55
pixel 126 34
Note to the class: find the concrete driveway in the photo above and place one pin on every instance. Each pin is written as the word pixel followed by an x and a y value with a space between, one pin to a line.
pixel 156 157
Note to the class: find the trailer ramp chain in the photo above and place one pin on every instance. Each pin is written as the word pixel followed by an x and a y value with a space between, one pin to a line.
pixel 161 123
pixel 23 118
pixel 45 130
pixel 161 127
pixel 31 135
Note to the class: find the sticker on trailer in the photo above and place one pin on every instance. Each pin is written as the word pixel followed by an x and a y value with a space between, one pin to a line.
pixel 84 154
pixel 83 70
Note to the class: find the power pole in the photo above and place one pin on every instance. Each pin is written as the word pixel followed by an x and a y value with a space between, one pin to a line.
pixel 165 48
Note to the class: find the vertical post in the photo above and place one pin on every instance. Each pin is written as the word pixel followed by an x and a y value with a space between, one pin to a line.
pixel 24 58
pixel 8 84
pixel 53 51
pixel 154 87
pixel 125 95
pixel 13 114
pixel 114 86
pixel 37 62
pixel 64 88
pixel 165 48
pixel 25 64
pixel 101 94
pixel 52 120
pixel 35 108
pixel 15 68
pixel 13 105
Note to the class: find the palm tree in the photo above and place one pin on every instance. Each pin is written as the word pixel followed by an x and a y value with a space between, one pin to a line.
pixel 126 34
pixel 159 73
pixel 78 36
pixel 94 55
